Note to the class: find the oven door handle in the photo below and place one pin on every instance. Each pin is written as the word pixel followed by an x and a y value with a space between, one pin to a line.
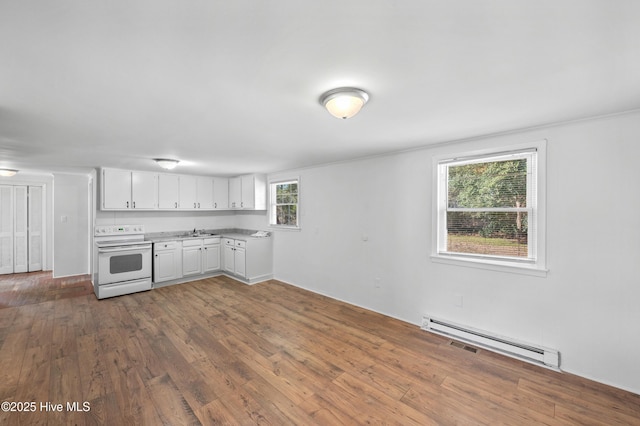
pixel 122 249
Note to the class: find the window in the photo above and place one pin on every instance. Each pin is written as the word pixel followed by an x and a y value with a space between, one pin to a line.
pixel 284 204
pixel 489 209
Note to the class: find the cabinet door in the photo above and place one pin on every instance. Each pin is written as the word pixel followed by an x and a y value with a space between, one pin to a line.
pixel 164 265
pixel 241 261
pixel 168 188
pixel 205 193
pixel 229 259
pixel 116 189
pixel 188 192
pixel 235 192
pixel 248 192
pixel 220 193
pixel 191 261
pixel 211 258
pixel 144 190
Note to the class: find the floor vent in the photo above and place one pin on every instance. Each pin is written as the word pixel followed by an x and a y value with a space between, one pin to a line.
pixel 463 346
pixel 534 354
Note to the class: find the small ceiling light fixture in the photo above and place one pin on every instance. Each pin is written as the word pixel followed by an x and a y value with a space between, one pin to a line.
pixel 8 172
pixel 344 102
pixel 166 163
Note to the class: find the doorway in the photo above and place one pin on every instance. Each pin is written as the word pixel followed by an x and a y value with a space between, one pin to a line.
pixel 21 228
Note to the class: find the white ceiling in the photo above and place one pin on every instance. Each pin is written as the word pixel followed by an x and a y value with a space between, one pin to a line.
pixel 232 87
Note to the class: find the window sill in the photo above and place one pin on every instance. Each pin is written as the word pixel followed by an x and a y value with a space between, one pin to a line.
pixel 284 228
pixel 492 265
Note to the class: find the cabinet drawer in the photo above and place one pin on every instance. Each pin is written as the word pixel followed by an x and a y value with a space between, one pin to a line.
pixel 168 245
pixel 240 243
pixel 192 243
pixel 229 242
pixel 211 241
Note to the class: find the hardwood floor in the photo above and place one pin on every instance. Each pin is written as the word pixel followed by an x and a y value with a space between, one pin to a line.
pixel 217 351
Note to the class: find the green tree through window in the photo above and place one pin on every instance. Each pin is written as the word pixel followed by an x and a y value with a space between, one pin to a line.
pixel 284 203
pixel 487 211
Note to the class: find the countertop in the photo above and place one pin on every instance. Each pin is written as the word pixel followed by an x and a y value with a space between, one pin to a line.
pixel 235 233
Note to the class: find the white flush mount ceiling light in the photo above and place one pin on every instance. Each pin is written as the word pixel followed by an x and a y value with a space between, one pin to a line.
pixel 344 102
pixel 166 163
pixel 8 172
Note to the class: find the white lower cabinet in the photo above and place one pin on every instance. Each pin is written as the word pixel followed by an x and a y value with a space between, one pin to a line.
pixel 167 261
pixel 248 258
pixel 200 256
pixel 211 255
pixel 235 257
pixel 191 257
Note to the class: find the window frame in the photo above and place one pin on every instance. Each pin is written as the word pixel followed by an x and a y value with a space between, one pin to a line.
pixel 535 264
pixel 273 204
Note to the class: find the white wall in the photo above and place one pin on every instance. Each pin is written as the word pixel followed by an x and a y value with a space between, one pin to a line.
pixel 71 216
pixel 586 307
pixel 167 221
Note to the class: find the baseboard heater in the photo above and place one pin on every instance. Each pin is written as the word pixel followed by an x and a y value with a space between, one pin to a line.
pixel 545 357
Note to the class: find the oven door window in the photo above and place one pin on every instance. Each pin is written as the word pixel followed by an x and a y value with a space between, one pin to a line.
pixel 121 264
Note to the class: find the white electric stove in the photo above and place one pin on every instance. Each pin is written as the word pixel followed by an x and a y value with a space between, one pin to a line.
pixel 122 260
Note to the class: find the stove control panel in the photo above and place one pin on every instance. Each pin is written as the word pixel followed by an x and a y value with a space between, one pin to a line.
pixel 110 230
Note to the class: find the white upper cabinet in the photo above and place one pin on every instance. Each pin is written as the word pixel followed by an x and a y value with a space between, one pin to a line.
pixel 220 193
pixel 204 187
pixel 126 190
pixel 248 192
pixel 248 185
pixel 144 190
pixel 188 192
pixel 168 191
pixel 134 190
pixel 235 192
pixel 116 189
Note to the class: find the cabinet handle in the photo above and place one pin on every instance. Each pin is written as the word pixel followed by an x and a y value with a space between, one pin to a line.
pixel 242 204
pixel 127 204
pixel 134 204
pixel 176 204
pixel 198 205
pixel 215 205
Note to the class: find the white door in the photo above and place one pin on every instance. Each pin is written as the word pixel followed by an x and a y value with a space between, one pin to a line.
pixel 229 259
pixel 205 193
pixel 144 190
pixel 220 193
pixel 211 258
pixel 20 238
pixel 235 192
pixel 164 266
pixel 116 189
pixel 241 261
pixel 188 192
pixel 6 229
pixel 21 228
pixel 191 261
pixel 248 192
pixel 35 228
pixel 168 190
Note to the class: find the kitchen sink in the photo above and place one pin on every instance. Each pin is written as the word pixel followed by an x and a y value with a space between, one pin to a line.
pixel 199 234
